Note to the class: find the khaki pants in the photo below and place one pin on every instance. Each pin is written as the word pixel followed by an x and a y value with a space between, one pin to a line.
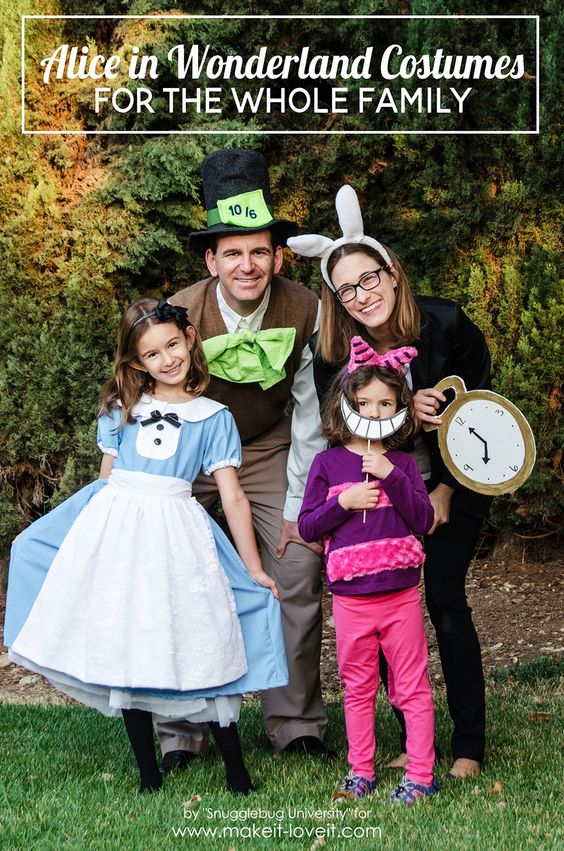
pixel 296 709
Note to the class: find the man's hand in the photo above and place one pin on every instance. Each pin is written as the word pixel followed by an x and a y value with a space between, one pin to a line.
pixel 289 535
pixel 427 404
pixel 440 500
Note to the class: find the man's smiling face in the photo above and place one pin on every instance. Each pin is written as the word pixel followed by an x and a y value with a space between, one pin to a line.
pixel 244 265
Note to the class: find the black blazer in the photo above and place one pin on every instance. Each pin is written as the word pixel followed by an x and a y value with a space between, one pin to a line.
pixel 449 344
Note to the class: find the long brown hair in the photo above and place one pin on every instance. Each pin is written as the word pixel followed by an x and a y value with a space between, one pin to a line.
pixel 334 426
pixel 337 327
pixel 128 384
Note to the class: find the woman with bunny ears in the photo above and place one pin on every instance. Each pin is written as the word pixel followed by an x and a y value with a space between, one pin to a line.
pixel 367 294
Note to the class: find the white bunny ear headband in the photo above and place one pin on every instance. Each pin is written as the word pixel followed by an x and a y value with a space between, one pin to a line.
pixel 350 220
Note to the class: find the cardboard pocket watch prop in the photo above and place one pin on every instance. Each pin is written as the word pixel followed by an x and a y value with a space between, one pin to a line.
pixel 484 440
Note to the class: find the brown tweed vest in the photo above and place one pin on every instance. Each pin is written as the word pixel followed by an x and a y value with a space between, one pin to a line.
pixel 291 305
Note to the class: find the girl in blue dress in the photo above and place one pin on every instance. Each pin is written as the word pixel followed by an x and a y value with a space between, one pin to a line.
pixel 128 597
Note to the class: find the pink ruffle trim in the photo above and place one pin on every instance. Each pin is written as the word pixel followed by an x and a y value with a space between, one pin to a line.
pixel 374 556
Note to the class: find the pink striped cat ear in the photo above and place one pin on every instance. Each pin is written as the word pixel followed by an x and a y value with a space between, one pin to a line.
pixel 398 358
pixel 363 354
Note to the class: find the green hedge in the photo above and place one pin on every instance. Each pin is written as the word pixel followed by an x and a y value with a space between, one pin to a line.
pixel 89 223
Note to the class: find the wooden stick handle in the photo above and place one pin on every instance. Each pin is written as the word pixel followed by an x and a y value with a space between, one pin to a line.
pixel 366 480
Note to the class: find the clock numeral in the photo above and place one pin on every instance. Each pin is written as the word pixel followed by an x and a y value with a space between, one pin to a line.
pixel 511 467
pixel 459 420
pixel 468 467
pixel 499 411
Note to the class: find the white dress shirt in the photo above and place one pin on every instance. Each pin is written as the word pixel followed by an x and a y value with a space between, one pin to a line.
pixel 306 438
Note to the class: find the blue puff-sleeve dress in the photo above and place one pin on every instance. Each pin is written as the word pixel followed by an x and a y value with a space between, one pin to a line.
pixel 128 595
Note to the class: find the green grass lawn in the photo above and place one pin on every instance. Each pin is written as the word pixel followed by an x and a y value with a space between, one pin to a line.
pixel 68 781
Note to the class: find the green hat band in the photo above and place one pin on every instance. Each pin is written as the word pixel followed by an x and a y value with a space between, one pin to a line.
pixel 247 210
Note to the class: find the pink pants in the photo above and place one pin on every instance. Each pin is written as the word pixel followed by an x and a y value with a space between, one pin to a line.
pixel 394 621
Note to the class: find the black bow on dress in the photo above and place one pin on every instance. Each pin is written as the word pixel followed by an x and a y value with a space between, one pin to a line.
pixel 172 419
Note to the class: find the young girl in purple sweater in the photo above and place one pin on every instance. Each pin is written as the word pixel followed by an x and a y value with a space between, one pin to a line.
pixel 368 501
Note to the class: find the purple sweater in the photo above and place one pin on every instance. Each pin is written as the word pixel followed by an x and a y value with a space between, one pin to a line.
pixel 381 554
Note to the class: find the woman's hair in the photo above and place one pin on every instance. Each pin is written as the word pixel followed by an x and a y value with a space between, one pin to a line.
pixel 337 326
pixel 334 427
pixel 127 383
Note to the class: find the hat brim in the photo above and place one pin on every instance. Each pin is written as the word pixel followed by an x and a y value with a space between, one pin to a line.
pixel 199 240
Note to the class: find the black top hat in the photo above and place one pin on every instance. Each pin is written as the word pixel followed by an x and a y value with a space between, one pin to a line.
pixel 237 198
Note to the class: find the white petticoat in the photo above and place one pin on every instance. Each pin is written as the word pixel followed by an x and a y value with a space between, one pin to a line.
pixel 136 601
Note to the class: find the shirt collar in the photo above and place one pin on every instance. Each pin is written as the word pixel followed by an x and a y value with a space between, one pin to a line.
pixel 200 408
pixel 235 323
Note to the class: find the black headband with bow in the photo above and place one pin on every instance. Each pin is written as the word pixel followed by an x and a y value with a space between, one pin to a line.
pixel 166 312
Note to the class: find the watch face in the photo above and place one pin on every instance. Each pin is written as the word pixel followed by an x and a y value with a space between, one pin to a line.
pixel 486 442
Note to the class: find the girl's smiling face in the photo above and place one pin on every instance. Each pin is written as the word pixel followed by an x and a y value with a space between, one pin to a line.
pixel 371 308
pixel 376 400
pixel 163 350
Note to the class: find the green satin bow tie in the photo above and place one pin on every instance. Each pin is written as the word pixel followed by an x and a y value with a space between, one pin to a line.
pixel 251 355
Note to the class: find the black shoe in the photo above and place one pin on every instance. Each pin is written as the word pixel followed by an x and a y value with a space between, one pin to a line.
pixel 152 784
pixel 176 760
pixel 241 784
pixel 310 746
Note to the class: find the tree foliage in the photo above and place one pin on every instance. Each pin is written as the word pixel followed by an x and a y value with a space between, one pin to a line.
pixel 89 223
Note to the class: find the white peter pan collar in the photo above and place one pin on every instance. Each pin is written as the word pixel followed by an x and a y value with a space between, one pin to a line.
pixel 194 411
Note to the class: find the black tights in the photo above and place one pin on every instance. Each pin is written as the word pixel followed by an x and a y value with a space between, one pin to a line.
pixel 229 745
pixel 139 726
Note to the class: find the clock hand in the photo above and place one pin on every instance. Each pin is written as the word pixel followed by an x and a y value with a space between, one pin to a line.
pixel 486 457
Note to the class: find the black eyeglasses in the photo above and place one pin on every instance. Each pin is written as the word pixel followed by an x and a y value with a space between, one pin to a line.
pixel 368 281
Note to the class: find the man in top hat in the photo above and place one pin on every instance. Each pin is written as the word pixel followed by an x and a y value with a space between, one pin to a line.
pixel 256 327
